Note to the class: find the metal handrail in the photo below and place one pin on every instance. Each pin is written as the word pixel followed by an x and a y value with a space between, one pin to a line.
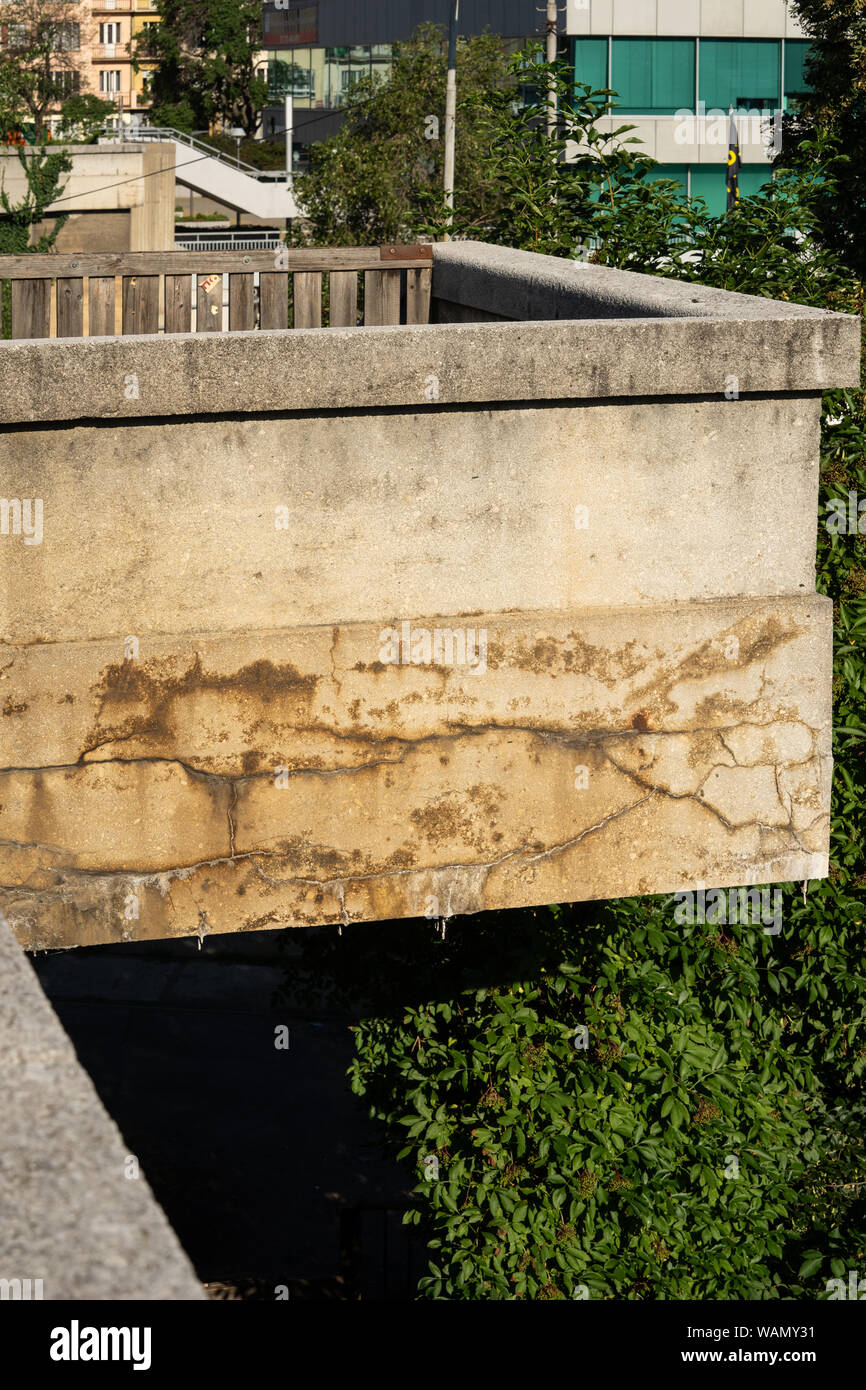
pixel 168 132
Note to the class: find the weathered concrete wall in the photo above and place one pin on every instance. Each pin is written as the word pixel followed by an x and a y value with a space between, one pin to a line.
pixel 151 220
pixel 78 1216
pixel 119 197
pixel 234 782
pixel 466 510
pixel 232 687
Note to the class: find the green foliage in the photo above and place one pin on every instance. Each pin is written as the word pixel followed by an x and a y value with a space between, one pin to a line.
pixel 261 154
pixel 836 72
pixel 83 116
pixel 532 197
pixel 176 115
pixel 379 179
pixel 43 173
pixel 207 50
pixel 612 1167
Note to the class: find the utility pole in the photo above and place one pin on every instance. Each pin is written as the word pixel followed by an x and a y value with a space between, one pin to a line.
pixel 289 122
pixel 552 33
pixel 451 113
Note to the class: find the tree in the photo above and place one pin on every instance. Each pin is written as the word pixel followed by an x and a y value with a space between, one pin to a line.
pixel 43 173
pixel 380 178
pixel 85 115
pixel 40 60
pixel 204 53
pixel 836 72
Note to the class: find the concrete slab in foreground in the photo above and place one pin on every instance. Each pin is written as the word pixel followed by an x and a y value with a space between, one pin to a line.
pixel 70 1216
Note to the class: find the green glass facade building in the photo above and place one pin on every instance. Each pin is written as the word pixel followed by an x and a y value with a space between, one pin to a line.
pixel 677 68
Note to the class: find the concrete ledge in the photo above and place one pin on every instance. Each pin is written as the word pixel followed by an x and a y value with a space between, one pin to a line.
pixel 355 368
pixel 524 285
pixel 70 1216
pixel 624 500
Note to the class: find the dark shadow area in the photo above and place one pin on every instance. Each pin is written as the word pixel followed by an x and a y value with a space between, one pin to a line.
pixel 265 1164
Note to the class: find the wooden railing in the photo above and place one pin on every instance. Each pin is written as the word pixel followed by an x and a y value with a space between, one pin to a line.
pixel 101 295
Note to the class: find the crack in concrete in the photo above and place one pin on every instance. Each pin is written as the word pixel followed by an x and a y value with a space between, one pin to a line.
pixel 568 738
pixel 231 823
pixel 568 844
pixel 700 800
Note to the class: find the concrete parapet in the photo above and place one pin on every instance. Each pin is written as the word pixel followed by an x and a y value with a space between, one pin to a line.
pixel 334 625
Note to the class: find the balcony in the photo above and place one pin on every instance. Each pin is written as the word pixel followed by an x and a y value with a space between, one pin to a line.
pixel 111 53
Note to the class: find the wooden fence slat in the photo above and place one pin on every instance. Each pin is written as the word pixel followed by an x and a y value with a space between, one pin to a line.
pixel 140 301
pixel 102 264
pixel 308 299
pixel 419 284
pixel 31 308
pixel 274 300
pixel 209 304
pixel 70 308
pixel 381 297
pixel 242 309
pixel 178 304
pixel 100 301
pixel 344 298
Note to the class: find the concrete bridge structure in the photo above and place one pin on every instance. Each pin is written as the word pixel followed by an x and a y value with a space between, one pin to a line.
pixel 512 607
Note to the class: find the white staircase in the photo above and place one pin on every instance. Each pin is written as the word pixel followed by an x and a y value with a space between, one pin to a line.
pixel 215 175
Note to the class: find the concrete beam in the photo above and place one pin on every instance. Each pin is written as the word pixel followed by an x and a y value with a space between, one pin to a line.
pixel 221 783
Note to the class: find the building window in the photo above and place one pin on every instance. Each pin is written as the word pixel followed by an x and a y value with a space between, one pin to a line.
pixel 147 37
pixel 796 53
pixel 590 63
pixel 288 77
pixel 110 33
pixel 320 77
pixel 743 73
pixel 67 83
pixel 68 37
pixel 282 28
pixel 654 77
pixel 109 80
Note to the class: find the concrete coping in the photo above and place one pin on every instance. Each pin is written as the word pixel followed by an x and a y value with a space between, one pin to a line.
pixel 525 285
pixel 580 333
pixel 79 1221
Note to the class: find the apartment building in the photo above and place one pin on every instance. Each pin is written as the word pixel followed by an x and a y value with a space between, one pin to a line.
pixel 95 45
pixel 114 27
pixel 678 66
